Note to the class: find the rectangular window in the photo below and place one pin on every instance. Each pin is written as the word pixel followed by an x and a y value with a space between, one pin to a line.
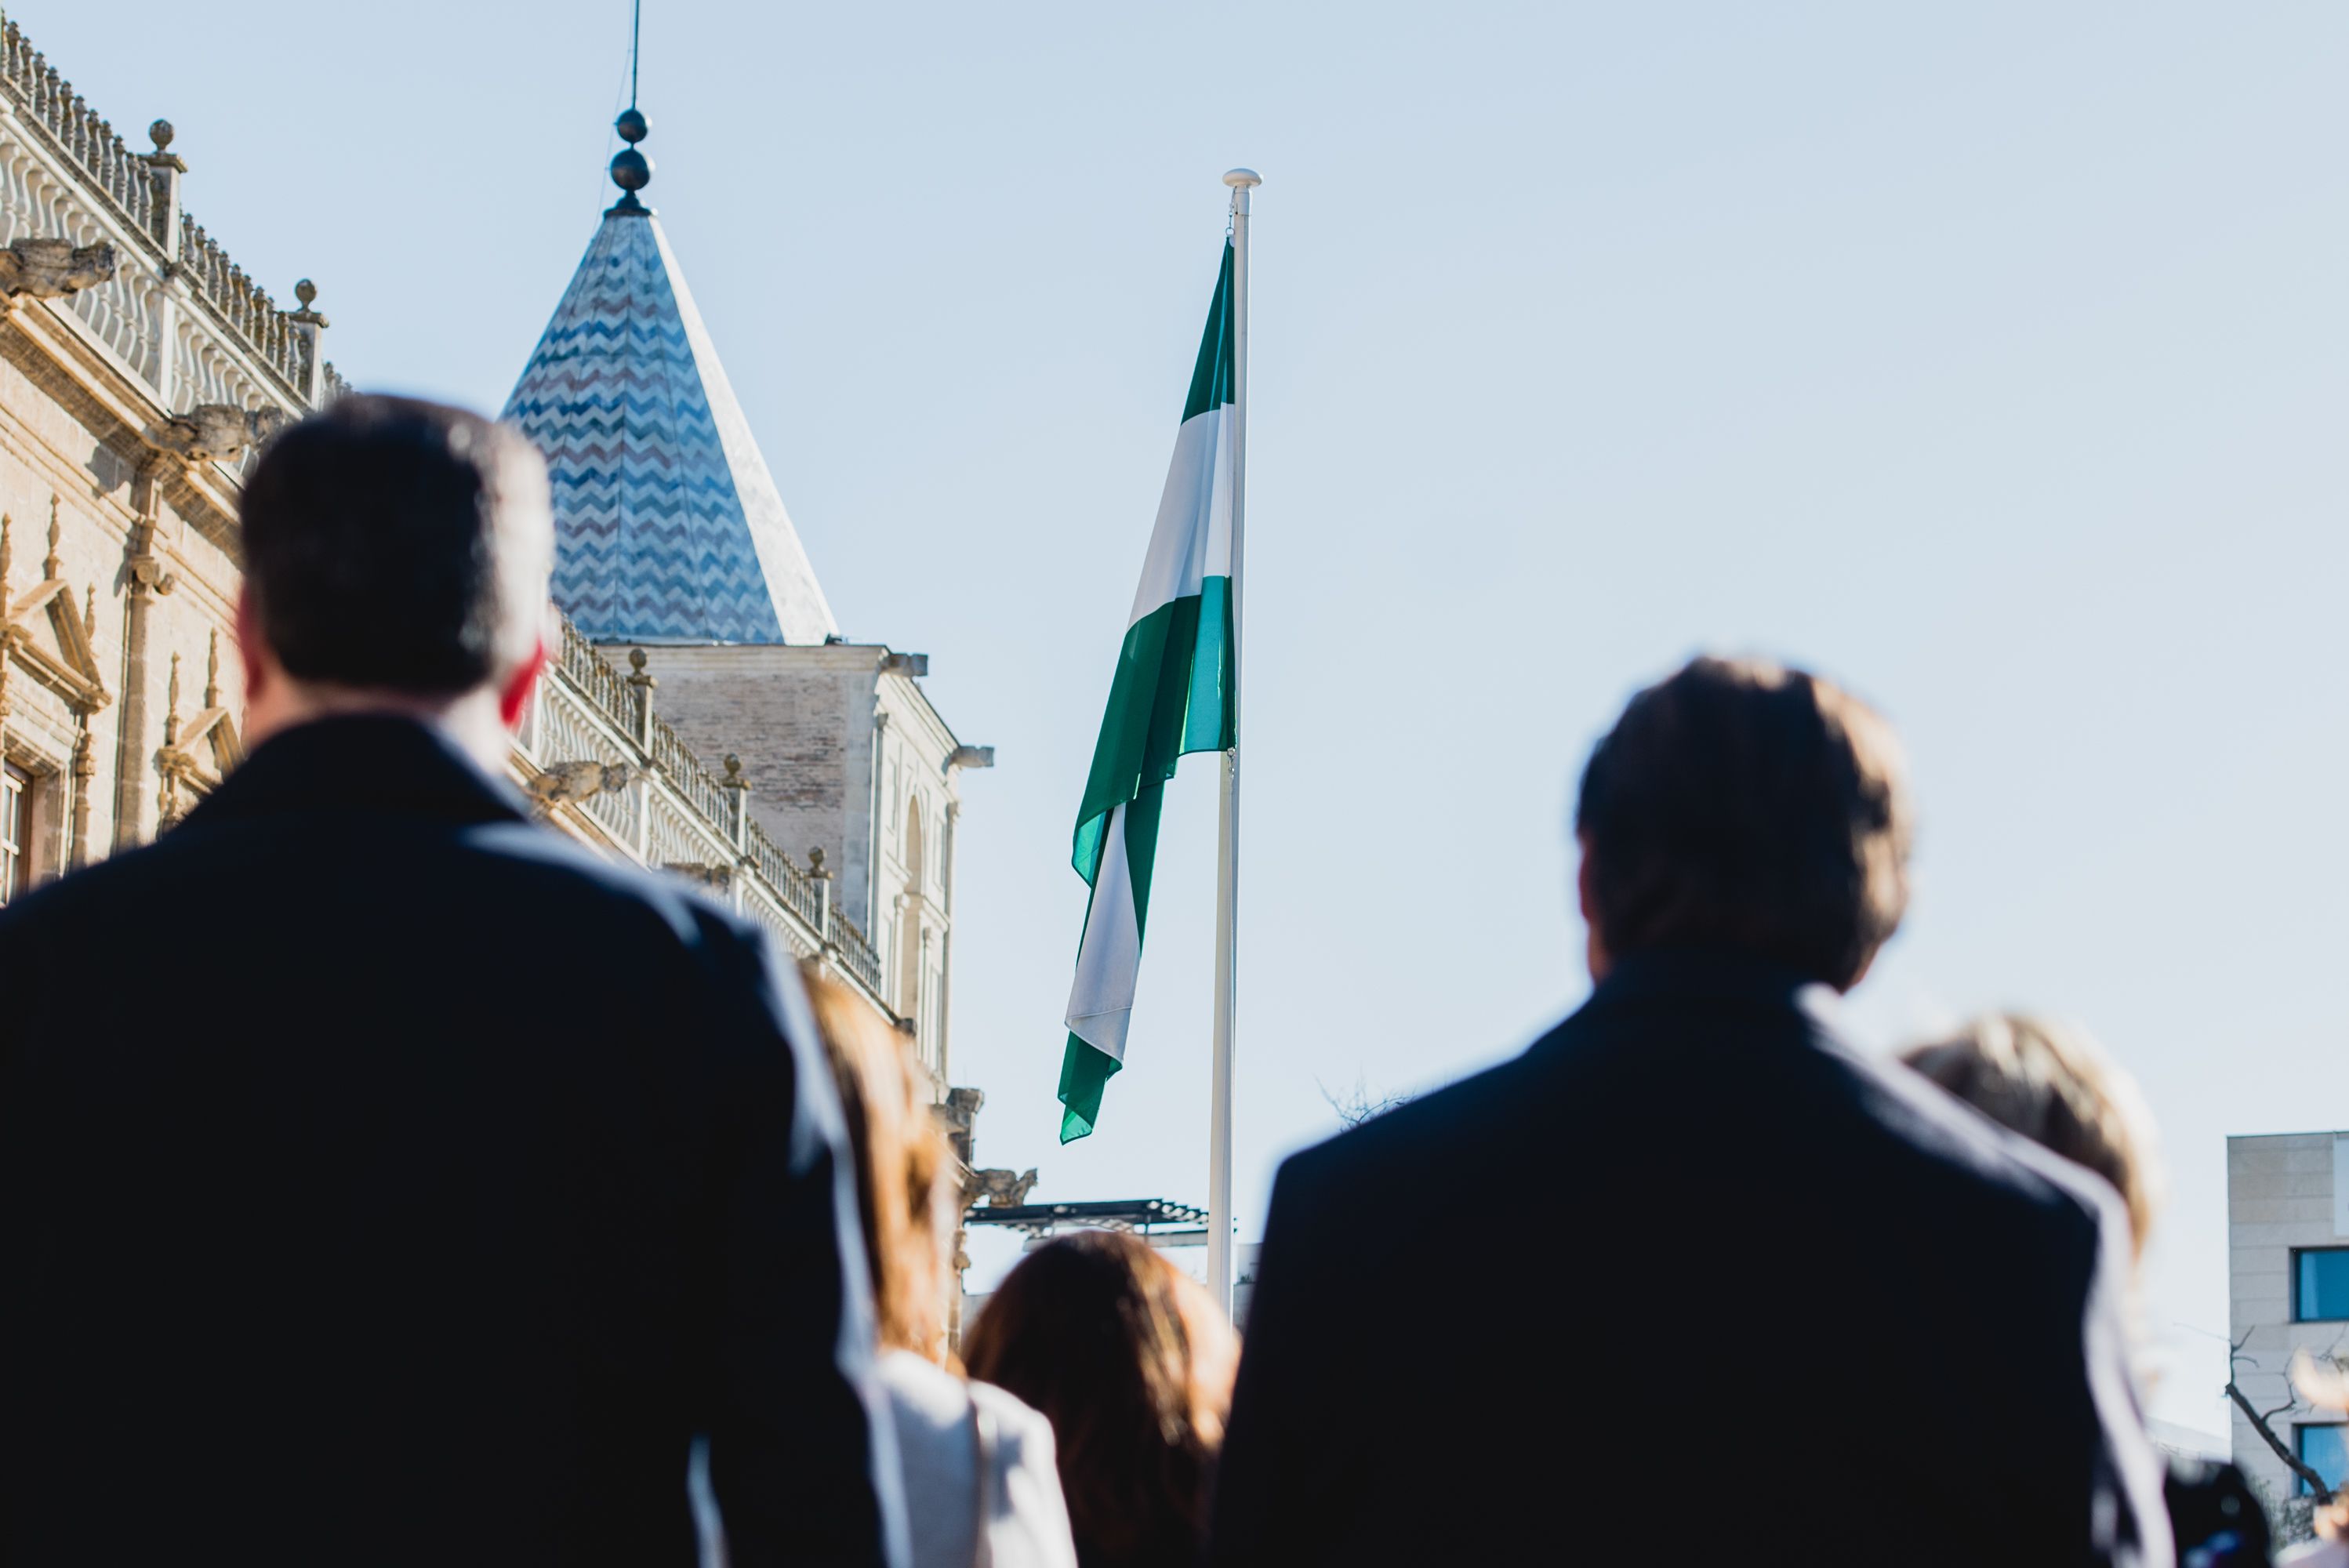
pixel 12 832
pixel 2324 1449
pixel 2320 1292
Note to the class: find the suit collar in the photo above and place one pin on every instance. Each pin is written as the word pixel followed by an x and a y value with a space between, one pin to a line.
pixel 377 763
pixel 1715 974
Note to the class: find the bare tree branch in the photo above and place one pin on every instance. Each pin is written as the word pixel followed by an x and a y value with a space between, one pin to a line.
pixel 1356 1106
pixel 2282 1449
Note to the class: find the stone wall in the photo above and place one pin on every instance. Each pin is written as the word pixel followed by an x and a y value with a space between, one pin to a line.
pixel 845 754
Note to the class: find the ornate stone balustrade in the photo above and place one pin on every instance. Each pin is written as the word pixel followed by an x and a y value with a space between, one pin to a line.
pixel 672 812
pixel 179 313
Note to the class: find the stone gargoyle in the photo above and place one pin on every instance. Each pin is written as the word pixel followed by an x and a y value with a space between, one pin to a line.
pixel 221 432
pixel 1002 1188
pixel 579 780
pixel 51 269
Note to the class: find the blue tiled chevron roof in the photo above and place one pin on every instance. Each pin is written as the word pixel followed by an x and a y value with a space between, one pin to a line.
pixel 668 523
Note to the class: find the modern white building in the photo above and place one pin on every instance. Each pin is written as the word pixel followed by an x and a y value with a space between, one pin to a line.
pixel 2288 1266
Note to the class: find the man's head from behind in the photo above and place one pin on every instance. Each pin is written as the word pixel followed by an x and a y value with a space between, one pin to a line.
pixel 397 555
pixel 1742 805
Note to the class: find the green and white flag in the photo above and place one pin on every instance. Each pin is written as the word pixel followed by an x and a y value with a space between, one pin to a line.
pixel 1172 695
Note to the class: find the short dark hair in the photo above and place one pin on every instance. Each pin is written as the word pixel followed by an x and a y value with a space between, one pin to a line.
pixel 1742 804
pixel 381 552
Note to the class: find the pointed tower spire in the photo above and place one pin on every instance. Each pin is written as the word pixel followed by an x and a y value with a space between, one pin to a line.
pixel 667 524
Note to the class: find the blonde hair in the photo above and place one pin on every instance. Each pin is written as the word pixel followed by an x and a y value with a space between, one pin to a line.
pixel 902 1166
pixel 2057 1088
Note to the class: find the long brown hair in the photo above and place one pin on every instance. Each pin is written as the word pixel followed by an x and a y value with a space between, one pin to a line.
pixel 901 1158
pixel 1132 1364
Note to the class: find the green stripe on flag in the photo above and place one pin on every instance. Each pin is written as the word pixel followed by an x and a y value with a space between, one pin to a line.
pixel 1172 695
pixel 1211 379
pixel 1084 1072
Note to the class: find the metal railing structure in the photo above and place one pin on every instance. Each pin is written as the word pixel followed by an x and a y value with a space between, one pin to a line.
pixel 68 169
pixel 657 804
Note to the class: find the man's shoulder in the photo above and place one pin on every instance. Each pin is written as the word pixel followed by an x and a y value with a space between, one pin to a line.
pixel 528 872
pixel 545 864
pixel 1424 1136
pixel 1974 1154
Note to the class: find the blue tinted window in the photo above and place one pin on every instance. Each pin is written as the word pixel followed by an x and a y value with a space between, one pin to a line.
pixel 2325 1450
pixel 2323 1285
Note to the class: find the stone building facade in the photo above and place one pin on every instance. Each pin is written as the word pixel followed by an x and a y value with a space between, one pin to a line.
pixel 140 368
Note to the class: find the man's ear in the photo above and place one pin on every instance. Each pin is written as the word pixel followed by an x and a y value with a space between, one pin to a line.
pixel 514 695
pixel 251 651
pixel 1595 948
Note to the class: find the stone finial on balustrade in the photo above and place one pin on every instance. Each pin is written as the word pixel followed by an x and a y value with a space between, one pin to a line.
pixel 821 874
pixel 164 167
pixel 642 684
pixel 309 328
pixel 740 798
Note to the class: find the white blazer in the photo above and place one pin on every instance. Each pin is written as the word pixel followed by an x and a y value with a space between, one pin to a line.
pixel 982 1481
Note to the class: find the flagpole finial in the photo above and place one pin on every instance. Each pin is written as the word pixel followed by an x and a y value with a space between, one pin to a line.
pixel 631 169
pixel 1242 179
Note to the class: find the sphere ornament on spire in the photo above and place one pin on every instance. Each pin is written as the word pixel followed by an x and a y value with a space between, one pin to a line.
pixel 631 169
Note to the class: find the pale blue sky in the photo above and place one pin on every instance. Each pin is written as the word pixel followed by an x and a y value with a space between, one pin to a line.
pixel 1991 357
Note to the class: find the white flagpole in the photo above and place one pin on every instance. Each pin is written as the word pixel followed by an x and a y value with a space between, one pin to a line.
pixel 1228 837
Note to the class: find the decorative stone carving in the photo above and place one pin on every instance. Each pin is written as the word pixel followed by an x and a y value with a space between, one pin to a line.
pixel 718 880
pixel 186 779
pixel 1002 1188
pixel 52 269
pixel 219 432
pixel 577 781
pixel 72 669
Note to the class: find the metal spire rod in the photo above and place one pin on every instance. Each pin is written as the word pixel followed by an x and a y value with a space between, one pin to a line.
pixel 1228 837
pixel 636 38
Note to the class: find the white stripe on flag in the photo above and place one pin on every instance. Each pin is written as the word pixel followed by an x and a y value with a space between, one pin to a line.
pixel 1192 539
pixel 1109 958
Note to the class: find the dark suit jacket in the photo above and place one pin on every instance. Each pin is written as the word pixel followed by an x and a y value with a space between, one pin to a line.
pixel 386 1179
pixel 1688 1281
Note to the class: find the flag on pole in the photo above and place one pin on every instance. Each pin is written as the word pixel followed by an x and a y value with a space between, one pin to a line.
pixel 1173 694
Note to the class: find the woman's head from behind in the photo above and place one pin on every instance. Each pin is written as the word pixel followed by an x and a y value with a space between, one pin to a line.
pixel 901 1160
pixel 2057 1087
pixel 1132 1363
